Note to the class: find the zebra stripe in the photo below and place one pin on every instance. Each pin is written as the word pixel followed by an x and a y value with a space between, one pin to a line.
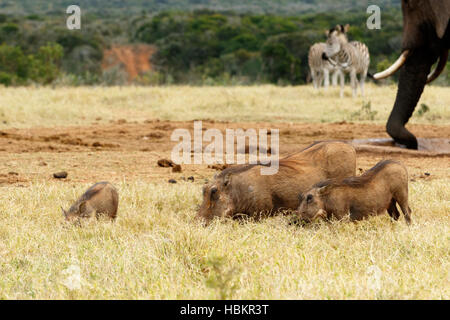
pixel 320 68
pixel 353 57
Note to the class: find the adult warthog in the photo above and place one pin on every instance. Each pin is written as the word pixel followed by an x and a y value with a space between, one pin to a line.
pixel 243 190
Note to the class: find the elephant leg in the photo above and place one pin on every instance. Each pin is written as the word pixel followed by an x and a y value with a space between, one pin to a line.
pixel 413 76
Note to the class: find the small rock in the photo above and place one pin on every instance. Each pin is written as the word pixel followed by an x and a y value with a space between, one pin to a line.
pixel 427 174
pixel 42 163
pixel 172 181
pixel 96 144
pixel 176 168
pixel 12 173
pixel 219 166
pixel 155 135
pixel 165 163
pixel 191 178
pixel 60 175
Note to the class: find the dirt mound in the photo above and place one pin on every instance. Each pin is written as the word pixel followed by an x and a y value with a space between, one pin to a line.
pixel 427 147
pixel 134 59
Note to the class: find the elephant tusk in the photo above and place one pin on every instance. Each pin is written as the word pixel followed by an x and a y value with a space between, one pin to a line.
pixel 394 68
pixel 441 65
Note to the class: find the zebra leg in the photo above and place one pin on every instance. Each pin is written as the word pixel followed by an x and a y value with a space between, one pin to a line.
pixel 326 78
pixel 342 78
pixel 353 82
pixel 334 78
pixel 319 79
pixel 361 82
pixel 314 80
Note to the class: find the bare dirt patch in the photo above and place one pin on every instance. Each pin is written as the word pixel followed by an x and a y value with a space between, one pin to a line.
pixel 130 151
pixel 134 59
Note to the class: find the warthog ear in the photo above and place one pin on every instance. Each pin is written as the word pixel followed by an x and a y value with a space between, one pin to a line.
pixel 322 190
pixel 300 198
pixel 227 179
pixel 82 207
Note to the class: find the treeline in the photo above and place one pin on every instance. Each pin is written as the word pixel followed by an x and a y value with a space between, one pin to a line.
pixel 133 7
pixel 199 47
pixel 40 49
pixel 206 46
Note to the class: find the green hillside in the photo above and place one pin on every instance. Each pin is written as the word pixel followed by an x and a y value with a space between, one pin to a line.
pixel 152 6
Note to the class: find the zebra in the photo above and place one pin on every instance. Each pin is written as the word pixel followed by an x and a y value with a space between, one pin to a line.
pixel 353 57
pixel 320 69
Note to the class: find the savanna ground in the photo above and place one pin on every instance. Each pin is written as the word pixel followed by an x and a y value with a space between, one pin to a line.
pixel 155 249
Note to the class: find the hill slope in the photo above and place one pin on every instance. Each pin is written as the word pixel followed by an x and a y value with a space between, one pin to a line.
pixel 137 6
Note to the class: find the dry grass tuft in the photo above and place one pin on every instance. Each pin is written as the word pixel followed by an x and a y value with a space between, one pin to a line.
pixel 156 250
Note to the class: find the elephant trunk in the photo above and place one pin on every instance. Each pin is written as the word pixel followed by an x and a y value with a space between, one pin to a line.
pixel 413 77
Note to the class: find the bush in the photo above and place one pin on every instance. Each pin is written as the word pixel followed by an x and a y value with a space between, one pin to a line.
pixel 10 28
pixel 6 78
pixel 17 68
pixel 14 62
pixel 45 66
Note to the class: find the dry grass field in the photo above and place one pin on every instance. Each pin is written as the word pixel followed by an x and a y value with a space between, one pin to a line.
pixel 155 249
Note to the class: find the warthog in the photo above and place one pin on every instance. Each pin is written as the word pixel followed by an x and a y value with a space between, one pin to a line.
pixel 100 199
pixel 374 192
pixel 243 190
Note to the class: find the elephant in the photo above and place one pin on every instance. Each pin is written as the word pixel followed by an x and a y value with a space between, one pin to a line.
pixel 426 37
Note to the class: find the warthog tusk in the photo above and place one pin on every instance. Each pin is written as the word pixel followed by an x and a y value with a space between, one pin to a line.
pixel 441 65
pixel 394 68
